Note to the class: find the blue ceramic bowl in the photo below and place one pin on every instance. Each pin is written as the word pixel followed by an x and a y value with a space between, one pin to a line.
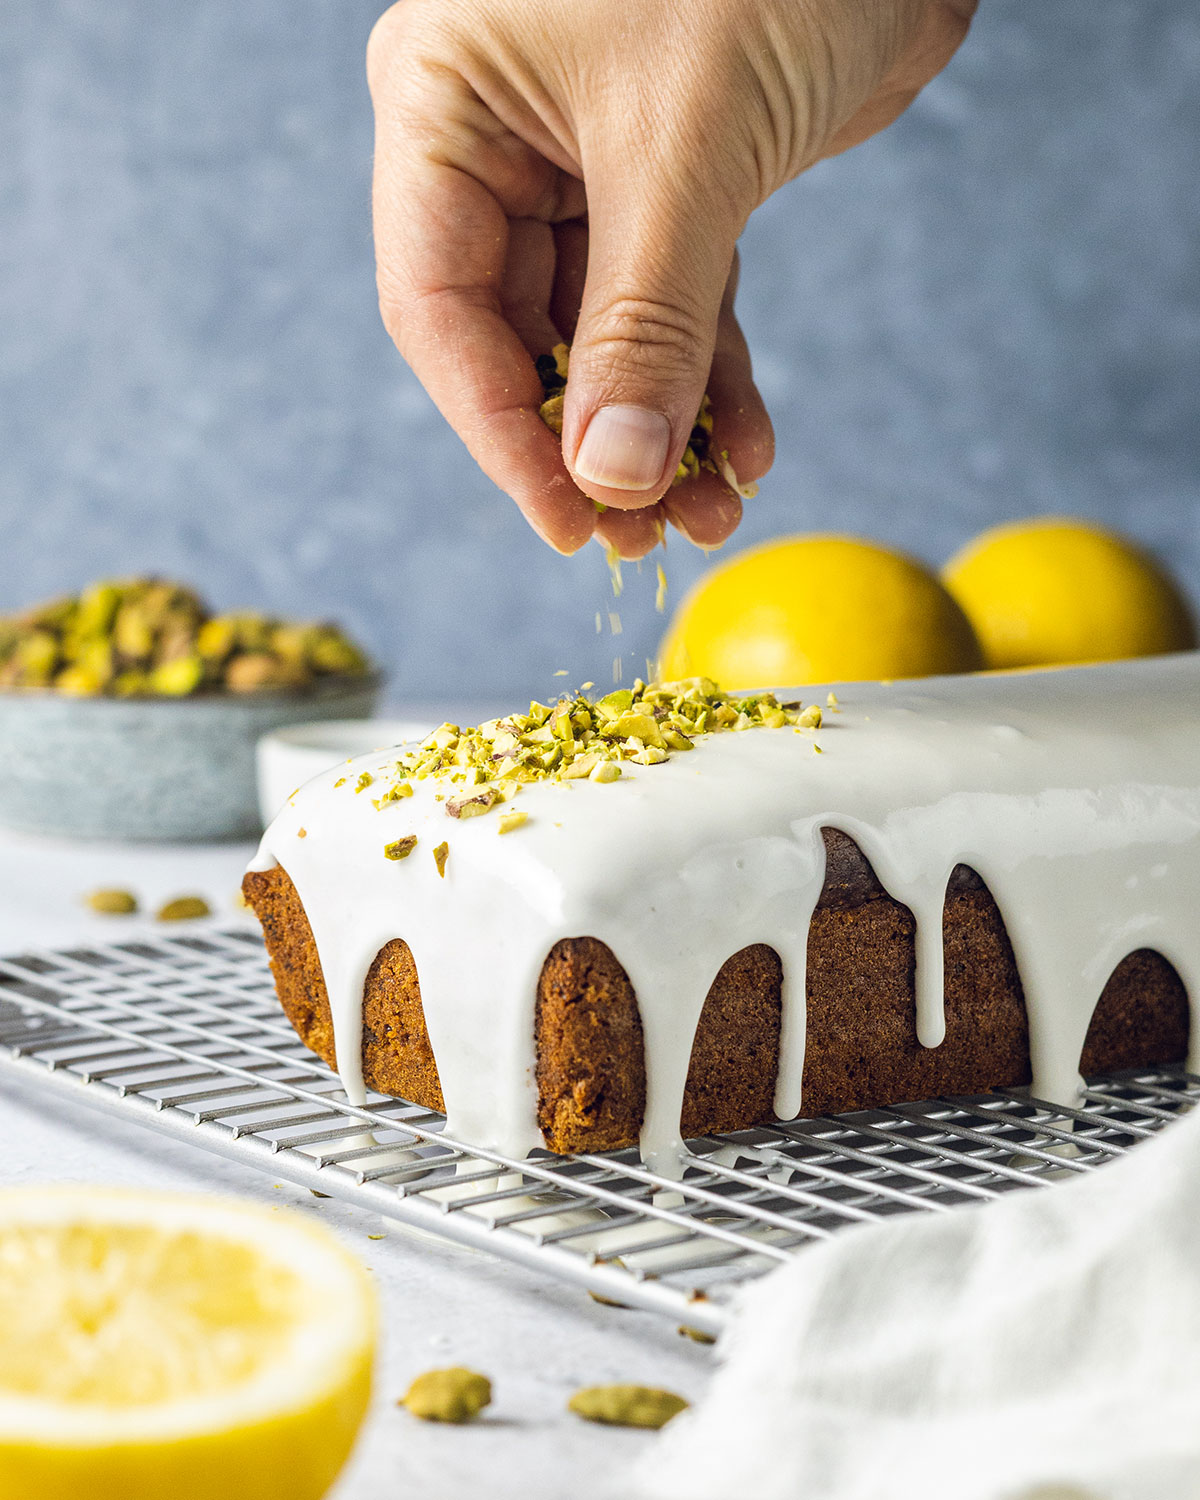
pixel 150 768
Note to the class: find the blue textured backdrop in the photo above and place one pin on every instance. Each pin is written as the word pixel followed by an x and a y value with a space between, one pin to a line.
pixel 991 310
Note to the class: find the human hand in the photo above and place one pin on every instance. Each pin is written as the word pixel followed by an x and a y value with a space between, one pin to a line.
pixel 550 171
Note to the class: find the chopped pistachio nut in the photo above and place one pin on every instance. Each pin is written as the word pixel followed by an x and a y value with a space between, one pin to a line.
pixel 575 739
pixel 183 909
pixel 112 903
pixel 473 807
pixel 697 1335
pixel 440 855
pixel 627 1405
pixel 401 849
pixel 453 1395
pixel 613 558
pixel 553 370
pixel 395 793
pixel 148 637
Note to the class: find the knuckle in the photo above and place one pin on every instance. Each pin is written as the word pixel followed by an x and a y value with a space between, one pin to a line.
pixel 645 336
pixel 384 41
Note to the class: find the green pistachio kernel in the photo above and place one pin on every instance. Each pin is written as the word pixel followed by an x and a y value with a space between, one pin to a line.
pixel 697 1335
pixel 184 909
pixel 177 678
pixel 553 370
pixel 452 1395
pixel 401 848
pixel 627 1405
pixel 112 902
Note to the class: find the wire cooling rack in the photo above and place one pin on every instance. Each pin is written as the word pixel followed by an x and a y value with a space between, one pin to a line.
pixel 183 1033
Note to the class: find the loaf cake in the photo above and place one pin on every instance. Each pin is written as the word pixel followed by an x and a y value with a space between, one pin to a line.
pixel 926 889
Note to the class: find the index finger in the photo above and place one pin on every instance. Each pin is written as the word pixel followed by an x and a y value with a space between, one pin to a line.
pixel 441 242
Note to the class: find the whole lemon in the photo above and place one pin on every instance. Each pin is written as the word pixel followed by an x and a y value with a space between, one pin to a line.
pixel 1056 590
pixel 817 609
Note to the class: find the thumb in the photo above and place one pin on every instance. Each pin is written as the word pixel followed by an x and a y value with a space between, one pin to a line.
pixel 658 261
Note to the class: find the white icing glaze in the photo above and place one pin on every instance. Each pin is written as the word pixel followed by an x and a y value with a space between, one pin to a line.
pixel 1075 794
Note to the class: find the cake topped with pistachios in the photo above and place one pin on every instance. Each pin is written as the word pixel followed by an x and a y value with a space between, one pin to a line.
pixel 485 767
pixel 149 637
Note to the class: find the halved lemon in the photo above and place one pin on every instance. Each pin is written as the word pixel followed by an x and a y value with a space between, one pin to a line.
pixel 175 1347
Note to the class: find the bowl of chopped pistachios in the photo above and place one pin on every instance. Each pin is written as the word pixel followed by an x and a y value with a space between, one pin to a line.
pixel 132 711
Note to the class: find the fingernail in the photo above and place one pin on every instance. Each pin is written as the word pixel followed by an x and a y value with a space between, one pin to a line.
pixel 624 447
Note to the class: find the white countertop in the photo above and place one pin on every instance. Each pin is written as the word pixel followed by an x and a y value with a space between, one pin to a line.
pixel 538 1341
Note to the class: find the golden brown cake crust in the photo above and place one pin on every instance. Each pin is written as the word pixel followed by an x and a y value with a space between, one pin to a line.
pixel 862 1048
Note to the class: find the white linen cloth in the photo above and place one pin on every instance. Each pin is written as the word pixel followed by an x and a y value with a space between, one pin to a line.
pixel 1047 1344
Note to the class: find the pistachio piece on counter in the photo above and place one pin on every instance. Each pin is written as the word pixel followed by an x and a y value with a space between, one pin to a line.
pixel 451 1395
pixel 112 902
pixel 401 848
pixel 627 1405
pixel 183 909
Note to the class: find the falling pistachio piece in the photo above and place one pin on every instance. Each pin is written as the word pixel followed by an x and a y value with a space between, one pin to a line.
pixel 627 1405
pixel 112 902
pixel 452 1395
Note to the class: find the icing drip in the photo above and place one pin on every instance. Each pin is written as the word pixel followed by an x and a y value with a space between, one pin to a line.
pixel 1074 794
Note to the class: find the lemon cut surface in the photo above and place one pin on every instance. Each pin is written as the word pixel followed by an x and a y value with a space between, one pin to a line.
pixel 156 1345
